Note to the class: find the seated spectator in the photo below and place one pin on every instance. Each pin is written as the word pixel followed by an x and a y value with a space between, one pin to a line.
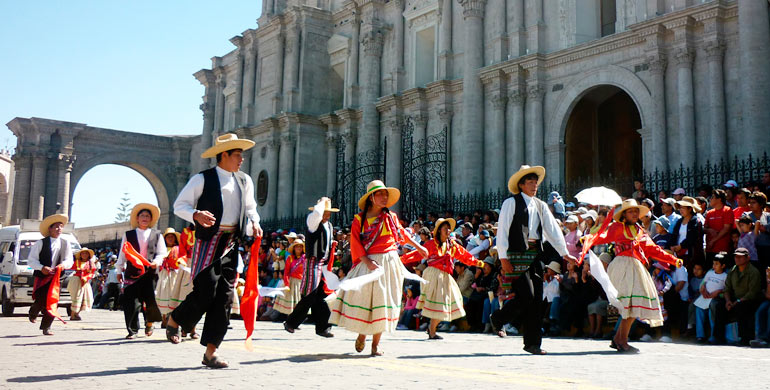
pixel 483 301
pixel 662 237
pixel 555 201
pixel 762 318
pixel 597 306
pixel 464 280
pixel 424 235
pixel 572 238
pixel 483 243
pixel 709 292
pixel 551 283
pixel 761 218
pixel 741 298
pixel 646 221
pixel 663 283
pixel 748 238
pixel 698 272
pixel 572 307
pixel 409 310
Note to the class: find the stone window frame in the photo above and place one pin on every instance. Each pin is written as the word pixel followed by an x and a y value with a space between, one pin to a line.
pixel 421 15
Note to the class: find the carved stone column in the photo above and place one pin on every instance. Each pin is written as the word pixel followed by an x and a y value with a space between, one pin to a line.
pixel 239 58
pixel 273 177
pixel 514 138
pixel 332 140
pixel 685 100
pixel 23 165
pixel 393 163
pixel 286 175
pixel 717 126
pixel 368 137
pixel 494 145
pixel 65 163
pixel 291 104
pixel 398 72
pixel 249 91
pixel 38 184
pixel 445 41
pixel 754 45
pixel 219 107
pixel 534 118
pixel 454 146
pixel 351 93
pixel 473 95
pixel 658 128
pixel 279 72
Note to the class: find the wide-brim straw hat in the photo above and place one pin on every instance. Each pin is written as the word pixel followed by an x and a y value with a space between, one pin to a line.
pixel 227 142
pixel 555 266
pixel 154 210
pixel 375 185
pixel 175 233
pixel 90 253
pixel 689 201
pixel 451 221
pixel 50 220
pixel 295 243
pixel 629 204
pixel 513 182
pixel 327 205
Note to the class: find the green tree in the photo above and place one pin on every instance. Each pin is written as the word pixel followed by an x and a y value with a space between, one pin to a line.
pixel 124 209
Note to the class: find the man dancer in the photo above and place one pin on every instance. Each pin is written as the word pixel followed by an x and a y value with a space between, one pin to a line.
pixel 317 251
pixel 45 256
pixel 525 224
pixel 220 201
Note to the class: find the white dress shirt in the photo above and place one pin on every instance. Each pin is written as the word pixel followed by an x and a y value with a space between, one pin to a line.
pixel 538 213
pixel 143 236
pixel 235 186
pixel 314 219
pixel 56 246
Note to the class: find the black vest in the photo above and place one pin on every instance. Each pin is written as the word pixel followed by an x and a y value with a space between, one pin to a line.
pixel 317 242
pixel 131 271
pixel 211 201
pixel 516 240
pixel 45 257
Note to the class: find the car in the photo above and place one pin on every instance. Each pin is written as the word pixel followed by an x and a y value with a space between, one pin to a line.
pixel 16 277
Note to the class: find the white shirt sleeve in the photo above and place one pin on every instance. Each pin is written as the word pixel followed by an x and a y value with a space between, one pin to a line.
pixel 66 254
pixel 250 204
pixel 551 231
pixel 476 250
pixel 315 217
pixel 120 265
pixel 184 206
pixel 34 256
pixel 503 224
pixel 160 251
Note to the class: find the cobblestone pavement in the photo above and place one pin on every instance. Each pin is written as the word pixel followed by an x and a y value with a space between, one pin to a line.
pixel 94 354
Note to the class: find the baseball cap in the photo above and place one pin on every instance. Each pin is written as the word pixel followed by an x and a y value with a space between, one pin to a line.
pixel 670 201
pixel 679 191
pixel 741 252
pixel 731 184
pixel 572 219
pixel 663 222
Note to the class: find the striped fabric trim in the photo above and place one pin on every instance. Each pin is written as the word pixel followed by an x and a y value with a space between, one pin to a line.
pixel 440 311
pixel 366 321
pixel 638 296
pixel 366 308
pixel 642 307
pixel 437 303
pixel 203 252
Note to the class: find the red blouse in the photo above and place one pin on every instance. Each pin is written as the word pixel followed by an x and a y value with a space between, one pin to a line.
pixel 297 272
pixel 634 242
pixel 170 262
pixel 384 239
pixel 85 270
pixel 441 258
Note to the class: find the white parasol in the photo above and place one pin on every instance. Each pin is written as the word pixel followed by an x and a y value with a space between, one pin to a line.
pixel 599 196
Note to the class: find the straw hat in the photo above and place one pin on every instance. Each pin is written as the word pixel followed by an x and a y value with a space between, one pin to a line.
pixel 513 182
pixel 295 243
pixel 629 204
pixel 90 253
pixel 154 211
pixel 327 205
pixel 50 220
pixel 689 201
pixel 451 221
pixel 175 233
pixel 555 266
pixel 227 142
pixel 375 185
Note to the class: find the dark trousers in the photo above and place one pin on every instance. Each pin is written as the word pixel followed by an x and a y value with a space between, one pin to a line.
pixel 140 294
pixel 742 313
pixel 316 303
pixel 112 291
pixel 39 306
pixel 528 304
pixel 212 295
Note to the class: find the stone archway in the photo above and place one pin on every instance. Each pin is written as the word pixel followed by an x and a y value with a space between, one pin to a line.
pixel 52 156
pixel 562 107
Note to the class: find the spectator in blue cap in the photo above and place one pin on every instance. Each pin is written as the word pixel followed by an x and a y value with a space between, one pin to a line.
pixel 662 237
pixel 555 201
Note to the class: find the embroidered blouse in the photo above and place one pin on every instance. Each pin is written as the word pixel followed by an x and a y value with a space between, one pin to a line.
pixel 376 235
pixel 441 257
pixel 631 240
pixel 294 268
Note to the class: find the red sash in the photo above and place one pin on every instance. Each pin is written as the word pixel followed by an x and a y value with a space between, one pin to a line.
pixel 135 258
pixel 52 298
pixel 330 264
pixel 251 293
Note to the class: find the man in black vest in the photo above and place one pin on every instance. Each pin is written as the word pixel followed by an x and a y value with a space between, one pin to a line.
pixel 320 234
pixel 525 224
pixel 139 280
pixel 44 257
pixel 220 201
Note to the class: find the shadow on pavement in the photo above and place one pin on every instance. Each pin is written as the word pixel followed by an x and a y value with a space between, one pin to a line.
pixel 309 358
pixel 89 343
pixel 470 355
pixel 129 370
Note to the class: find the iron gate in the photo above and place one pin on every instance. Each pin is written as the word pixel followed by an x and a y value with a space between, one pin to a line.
pixel 352 177
pixel 424 172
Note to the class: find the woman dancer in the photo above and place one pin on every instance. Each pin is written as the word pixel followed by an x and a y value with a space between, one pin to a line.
pixel 637 293
pixel 292 278
pixel 79 287
pixel 441 299
pixel 375 235
pixel 168 274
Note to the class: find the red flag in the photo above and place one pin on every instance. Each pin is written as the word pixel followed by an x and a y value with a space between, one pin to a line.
pixel 251 293
pixel 52 300
pixel 134 257
pixel 602 232
pixel 330 265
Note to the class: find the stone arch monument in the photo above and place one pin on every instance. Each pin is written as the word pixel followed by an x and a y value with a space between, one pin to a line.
pixel 52 156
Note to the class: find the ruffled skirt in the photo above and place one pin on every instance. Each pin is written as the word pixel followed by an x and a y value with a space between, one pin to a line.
pixel 376 307
pixel 441 298
pixel 285 304
pixel 167 281
pixel 636 290
pixel 81 295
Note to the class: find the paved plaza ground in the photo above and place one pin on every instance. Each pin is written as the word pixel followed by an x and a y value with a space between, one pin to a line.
pixel 94 354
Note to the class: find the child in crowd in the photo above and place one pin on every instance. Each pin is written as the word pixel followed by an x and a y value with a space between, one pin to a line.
pixel 712 286
pixel 748 238
pixel 662 237
pixel 551 282
pixel 573 235
pixel 410 309
pixel 694 289
pixel 663 283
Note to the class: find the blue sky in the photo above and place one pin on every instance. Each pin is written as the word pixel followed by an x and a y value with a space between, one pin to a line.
pixel 111 64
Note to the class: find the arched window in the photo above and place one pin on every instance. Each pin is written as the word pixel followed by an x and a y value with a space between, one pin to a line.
pixel 262 188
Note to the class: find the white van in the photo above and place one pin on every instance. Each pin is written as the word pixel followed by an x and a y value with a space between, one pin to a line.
pixel 15 275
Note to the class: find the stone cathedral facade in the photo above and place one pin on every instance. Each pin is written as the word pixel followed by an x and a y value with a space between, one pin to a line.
pixel 583 87
pixel 452 96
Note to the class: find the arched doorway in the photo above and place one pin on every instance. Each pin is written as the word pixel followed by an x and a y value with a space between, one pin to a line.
pixel 602 145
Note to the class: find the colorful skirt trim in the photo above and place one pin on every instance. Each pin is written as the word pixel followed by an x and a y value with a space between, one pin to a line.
pixel 636 290
pixel 441 298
